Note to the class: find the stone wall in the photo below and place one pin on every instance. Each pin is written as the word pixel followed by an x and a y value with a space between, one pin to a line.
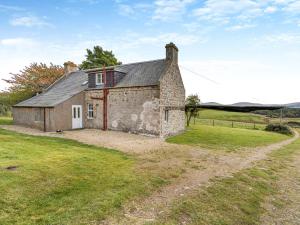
pixel 97 121
pixel 172 99
pixel 133 110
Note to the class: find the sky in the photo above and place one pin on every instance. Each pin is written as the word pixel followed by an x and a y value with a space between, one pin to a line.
pixel 229 50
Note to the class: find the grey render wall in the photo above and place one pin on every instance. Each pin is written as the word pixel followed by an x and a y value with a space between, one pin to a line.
pixel 133 109
pixel 57 118
pixel 172 98
pixel 29 117
pixel 61 117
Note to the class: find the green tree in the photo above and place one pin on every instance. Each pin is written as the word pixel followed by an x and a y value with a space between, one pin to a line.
pixel 98 58
pixel 191 107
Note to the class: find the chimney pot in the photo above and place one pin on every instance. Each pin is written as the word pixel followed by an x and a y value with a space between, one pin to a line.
pixel 172 52
pixel 70 67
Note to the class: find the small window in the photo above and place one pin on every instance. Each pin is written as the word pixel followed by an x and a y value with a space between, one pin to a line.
pixel 166 115
pixel 99 79
pixel 90 111
pixel 78 110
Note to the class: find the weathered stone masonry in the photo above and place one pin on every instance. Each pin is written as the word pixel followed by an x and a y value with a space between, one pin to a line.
pixel 133 110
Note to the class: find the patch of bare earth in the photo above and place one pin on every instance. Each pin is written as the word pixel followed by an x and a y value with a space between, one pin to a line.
pixel 284 207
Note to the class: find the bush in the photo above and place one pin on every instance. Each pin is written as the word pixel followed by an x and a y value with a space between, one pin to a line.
pixel 279 128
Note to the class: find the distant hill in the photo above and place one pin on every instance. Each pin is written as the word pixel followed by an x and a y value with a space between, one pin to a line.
pixel 246 104
pixel 212 103
pixel 294 105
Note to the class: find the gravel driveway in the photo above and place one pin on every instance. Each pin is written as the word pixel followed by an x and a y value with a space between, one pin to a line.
pixel 125 142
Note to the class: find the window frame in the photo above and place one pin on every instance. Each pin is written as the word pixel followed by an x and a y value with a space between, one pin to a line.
pixel 96 77
pixel 90 110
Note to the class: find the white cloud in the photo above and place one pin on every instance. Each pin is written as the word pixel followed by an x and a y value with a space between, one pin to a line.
pixel 293 7
pixel 15 42
pixel 270 9
pixel 166 10
pixel 240 27
pixel 10 8
pixel 222 10
pixel 126 10
pixel 30 21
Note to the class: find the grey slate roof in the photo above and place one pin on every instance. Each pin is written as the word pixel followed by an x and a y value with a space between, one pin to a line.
pixel 137 74
pixel 59 92
pixel 141 74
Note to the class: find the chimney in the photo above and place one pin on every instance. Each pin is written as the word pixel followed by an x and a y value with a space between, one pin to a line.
pixel 70 67
pixel 172 52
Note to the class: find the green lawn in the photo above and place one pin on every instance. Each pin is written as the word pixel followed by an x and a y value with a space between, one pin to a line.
pixel 59 181
pixel 237 200
pixel 226 138
pixel 6 120
pixel 231 116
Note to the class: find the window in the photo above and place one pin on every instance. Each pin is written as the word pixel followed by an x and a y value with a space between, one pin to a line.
pixel 99 78
pixel 74 112
pixel 90 111
pixel 166 115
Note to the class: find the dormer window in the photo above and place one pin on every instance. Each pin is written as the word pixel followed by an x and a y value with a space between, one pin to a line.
pixel 99 78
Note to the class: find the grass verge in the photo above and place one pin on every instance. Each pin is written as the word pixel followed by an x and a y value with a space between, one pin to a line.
pixel 236 200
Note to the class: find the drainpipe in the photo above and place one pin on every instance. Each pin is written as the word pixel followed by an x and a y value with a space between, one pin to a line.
pixel 44 119
pixel 105 93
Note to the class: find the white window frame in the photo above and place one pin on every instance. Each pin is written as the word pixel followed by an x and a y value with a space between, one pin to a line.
pixel 90 111
pixel 101 78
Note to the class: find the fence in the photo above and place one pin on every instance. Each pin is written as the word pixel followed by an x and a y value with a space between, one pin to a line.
pixel 232 124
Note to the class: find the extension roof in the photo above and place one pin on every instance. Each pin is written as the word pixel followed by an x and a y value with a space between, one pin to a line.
pixel 137 74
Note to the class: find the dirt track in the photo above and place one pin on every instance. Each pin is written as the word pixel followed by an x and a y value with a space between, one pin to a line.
pixel 148 209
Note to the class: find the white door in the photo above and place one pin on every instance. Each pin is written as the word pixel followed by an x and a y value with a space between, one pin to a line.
pixel 76 116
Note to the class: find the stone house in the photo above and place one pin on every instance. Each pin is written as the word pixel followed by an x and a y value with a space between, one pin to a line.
pixel 144 97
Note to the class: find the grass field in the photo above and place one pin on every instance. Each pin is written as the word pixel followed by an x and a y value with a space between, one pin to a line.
pixel 226 138
pixel 58 181
pixel 231 116
pixel 6 120
pixel 237 200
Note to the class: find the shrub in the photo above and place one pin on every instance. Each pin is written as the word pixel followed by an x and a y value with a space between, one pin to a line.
pixel 279 128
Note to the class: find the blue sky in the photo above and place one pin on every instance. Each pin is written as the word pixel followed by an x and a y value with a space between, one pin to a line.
pixel 249 49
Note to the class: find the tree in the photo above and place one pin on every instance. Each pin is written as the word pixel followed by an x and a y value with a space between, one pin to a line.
pixel 98 58
pixel 31 80
pixel 191 107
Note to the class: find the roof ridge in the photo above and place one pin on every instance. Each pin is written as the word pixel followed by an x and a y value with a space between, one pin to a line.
pixel 141 62
pixel 127 64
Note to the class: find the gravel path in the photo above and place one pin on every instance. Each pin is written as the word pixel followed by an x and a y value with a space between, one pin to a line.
pixel 125 142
